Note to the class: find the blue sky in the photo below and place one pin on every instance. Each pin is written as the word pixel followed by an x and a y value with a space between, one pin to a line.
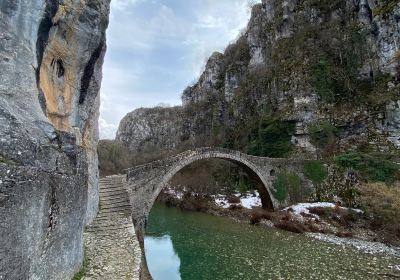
pixel 156 48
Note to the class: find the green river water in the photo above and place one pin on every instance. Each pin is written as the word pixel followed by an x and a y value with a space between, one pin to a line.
pixel 194 246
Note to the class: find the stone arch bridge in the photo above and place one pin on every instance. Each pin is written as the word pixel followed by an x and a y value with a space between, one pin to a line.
pixel 145 182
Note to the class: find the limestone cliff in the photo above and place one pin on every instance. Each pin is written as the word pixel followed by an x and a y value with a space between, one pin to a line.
pixel 51 54
pixel 156 127
pixel 309 78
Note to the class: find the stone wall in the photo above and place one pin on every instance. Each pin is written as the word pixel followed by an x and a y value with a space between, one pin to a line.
pixel 51 54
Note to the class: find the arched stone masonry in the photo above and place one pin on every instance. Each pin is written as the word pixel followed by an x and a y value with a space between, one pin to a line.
pixel 145 182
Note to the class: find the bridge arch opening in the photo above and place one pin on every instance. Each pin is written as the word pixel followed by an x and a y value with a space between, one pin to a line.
pixel 197 184
pixel 261 178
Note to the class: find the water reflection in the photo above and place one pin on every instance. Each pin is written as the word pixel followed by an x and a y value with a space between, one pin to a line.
pixel 162 260
pixel 196 246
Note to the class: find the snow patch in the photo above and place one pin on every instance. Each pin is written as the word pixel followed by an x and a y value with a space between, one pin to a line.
pixel 304 208
pixel 221 201
pixel 247 200
pixel 173 192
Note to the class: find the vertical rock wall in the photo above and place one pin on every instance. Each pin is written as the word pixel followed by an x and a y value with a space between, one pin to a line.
pixel 51 54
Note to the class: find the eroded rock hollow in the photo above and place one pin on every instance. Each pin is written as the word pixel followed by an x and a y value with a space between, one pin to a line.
pixel 51 55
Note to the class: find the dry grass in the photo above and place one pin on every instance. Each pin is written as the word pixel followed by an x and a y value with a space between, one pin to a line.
pixel 291 226
pixel 259 214
pixel 382 203
pixel 233 199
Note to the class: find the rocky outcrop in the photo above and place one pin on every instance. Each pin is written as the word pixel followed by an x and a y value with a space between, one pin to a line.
pixel 307 68
pixel 51 54
pixel 156 127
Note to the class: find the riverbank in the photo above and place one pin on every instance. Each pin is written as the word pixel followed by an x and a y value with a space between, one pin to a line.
pixel 325 221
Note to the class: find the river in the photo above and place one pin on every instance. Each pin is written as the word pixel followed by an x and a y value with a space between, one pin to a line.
pixel 196 246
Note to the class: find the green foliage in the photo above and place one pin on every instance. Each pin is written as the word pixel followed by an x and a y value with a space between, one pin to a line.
pixel 294 183
pixel 327 6
pixel 324 83
pixel 372 167
pixel 385 8
pixel 82 273
pixel 245 184
pixel 279 185
pixel 323 134
pixel 315 171
pixel 7 161
pixel 335 74
pixel 237 52
pixel 273 138
pixel 287 183
pixel 376 90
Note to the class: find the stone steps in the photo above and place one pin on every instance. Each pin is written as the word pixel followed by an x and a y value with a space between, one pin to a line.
pixel 110 186
pixel 109 192
pixel 111 244
pixel 116 199
pixel 125 211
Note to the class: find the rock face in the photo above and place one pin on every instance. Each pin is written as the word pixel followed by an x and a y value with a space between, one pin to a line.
pixel 51 54
pixel 303 70
pixel 155 127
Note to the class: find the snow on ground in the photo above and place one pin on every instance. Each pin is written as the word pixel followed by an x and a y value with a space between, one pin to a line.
pixel 172 192
pixel 247 200
pixel 221 201
pixel 304 208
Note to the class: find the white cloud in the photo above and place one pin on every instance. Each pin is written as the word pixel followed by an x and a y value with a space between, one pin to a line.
pixel 122 5
pixel 143 65
pixel 107 130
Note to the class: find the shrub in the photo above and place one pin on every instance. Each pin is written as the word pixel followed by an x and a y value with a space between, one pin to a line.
pixel 375 168
pixel 257 215
pixel 315 171
pixel 382 202
pixel 344 233
pixel 321 211
pixel 233 199
pixel 287 183
pixel 235 207
pixel 113 157
pixel 273 138
pixel 293 184
pixel 291 226
pixel 238 51
pixel 323 134
pixel 279 185
pixel 385 8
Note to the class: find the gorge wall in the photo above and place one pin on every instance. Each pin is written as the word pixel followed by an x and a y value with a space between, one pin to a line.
pixel 51 54
pixel 306 78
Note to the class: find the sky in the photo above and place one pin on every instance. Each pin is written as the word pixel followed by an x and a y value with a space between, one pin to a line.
pixel 156 48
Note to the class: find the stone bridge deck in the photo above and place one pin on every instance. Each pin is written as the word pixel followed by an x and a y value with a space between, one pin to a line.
pixel 112 250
